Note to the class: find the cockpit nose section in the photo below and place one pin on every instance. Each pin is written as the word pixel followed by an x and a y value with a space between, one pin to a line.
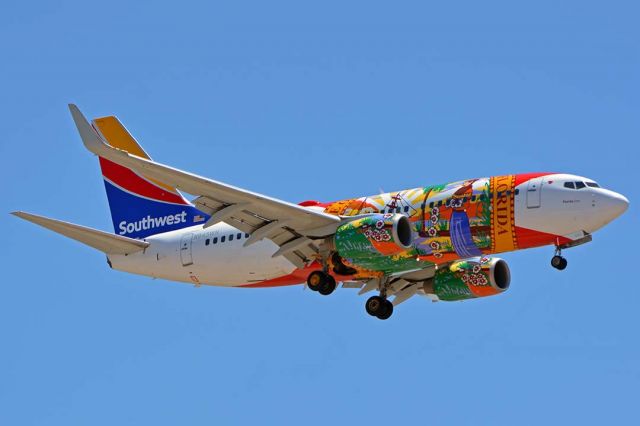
pixel 564 204
pixel 594 206
pixel 610 204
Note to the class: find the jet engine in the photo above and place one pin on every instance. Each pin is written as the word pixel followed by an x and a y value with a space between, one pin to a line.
pixel 470 278
pixel 376 242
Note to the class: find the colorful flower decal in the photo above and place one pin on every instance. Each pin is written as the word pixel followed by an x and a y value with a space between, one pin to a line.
pixel 477 269
pixel 378 235
pixel 434 219
pixel 435 245
pixel 432 232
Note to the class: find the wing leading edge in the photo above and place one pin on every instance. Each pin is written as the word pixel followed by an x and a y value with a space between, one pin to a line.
pixel 290 226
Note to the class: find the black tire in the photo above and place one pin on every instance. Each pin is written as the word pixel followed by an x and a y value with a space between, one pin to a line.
pixel 375 305
pixel 563 264
pixel 316 280
pixel 388 310
pixel 556 262
pixel 328 286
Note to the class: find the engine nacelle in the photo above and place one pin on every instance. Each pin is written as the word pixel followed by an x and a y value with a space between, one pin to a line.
pixel 376 242
pixel 470 278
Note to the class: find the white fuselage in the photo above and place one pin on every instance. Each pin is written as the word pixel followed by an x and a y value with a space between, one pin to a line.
pixel 217 255
pixel 213 256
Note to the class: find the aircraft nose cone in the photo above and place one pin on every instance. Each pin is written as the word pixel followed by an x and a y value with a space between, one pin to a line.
pixel 615 204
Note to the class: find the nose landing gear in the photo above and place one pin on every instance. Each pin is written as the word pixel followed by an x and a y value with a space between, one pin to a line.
pixel 558 261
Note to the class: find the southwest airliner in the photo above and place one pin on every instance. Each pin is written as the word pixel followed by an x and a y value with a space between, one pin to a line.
pixel 437 241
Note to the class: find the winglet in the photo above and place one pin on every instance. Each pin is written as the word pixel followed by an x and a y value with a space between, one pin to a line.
pixel 89 136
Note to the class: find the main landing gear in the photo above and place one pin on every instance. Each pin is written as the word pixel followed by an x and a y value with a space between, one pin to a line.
pixel 321 282
pixel 558 261
pixel 380 307
pixel 376 306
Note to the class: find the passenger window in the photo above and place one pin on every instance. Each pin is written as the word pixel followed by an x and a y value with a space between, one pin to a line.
pixel 398 209
pixel 517 191
pixel 439 203
pixel 231 237
pixel 222 239
pixel 239 235
pixel 569 185
pixel 215 240
pixel 580 185
pixel 431 205
pixel 246 235
pixel 406 209
pixel 473 198
pixel 206 242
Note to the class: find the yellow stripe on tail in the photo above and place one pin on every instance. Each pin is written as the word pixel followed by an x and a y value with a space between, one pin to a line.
pixel 116 135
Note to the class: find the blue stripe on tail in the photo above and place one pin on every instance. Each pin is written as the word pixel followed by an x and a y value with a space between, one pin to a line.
pixel 138 217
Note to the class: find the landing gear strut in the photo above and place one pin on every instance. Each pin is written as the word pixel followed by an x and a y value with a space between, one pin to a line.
pixel 558 261
pixel 321 282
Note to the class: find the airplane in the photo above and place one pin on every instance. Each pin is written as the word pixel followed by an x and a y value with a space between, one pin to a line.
pixel 436 241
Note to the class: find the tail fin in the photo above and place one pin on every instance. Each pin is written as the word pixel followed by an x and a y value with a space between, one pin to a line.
pixel 140 206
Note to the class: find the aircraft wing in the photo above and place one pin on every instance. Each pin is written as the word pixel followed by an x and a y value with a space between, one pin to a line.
pixel 103 241
pixel 290 226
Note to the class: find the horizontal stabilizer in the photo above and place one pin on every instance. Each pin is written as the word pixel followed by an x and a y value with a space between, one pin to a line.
pixel 100 240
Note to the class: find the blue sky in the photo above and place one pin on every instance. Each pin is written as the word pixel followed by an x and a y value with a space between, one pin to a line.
pixel 322 101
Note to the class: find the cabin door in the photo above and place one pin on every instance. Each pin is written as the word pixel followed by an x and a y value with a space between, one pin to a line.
pixel 534 188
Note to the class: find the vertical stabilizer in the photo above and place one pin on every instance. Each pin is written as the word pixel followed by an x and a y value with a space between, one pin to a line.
pixel 140 206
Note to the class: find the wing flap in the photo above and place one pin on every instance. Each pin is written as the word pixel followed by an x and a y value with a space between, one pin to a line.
pixel 100 240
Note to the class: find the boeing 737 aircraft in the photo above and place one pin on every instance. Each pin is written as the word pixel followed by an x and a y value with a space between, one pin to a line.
pixel 436 241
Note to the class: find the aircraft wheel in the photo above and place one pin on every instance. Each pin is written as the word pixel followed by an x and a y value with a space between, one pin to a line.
pixel 328 286
pixel 563 265
pixel 559 262
pixel 388 310
pixel 375 306
pixel 316 280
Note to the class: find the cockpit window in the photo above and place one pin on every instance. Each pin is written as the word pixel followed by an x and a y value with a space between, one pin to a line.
pixel 580 185
pixel 569 185
pixel 593 184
